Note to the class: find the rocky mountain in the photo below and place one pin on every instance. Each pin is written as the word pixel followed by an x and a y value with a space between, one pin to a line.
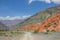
pixel 50 24
pixel 39 18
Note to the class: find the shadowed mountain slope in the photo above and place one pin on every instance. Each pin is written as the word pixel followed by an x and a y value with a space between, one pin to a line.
pixel 3 27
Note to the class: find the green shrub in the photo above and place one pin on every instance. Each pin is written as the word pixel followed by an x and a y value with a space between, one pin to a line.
pixel 53 31
pixel 36 31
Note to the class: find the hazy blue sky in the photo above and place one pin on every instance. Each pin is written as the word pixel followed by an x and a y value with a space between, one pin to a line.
pixel 23 7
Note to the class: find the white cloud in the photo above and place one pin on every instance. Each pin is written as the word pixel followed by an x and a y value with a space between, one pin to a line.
pixel 14 18
pixel 30 1
pixel 56 1
pixel 46 1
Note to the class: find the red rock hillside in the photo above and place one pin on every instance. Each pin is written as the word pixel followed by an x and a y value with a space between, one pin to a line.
pixel 52 23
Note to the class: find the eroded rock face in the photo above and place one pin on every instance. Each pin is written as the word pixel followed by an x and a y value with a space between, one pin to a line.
pixel 51 23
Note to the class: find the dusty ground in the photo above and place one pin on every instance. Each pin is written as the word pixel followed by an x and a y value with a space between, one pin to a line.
pixel 32 36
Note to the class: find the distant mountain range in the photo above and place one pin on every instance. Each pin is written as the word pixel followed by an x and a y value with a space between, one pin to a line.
pixel 3 27
pixel 10 23
pixel 38 18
